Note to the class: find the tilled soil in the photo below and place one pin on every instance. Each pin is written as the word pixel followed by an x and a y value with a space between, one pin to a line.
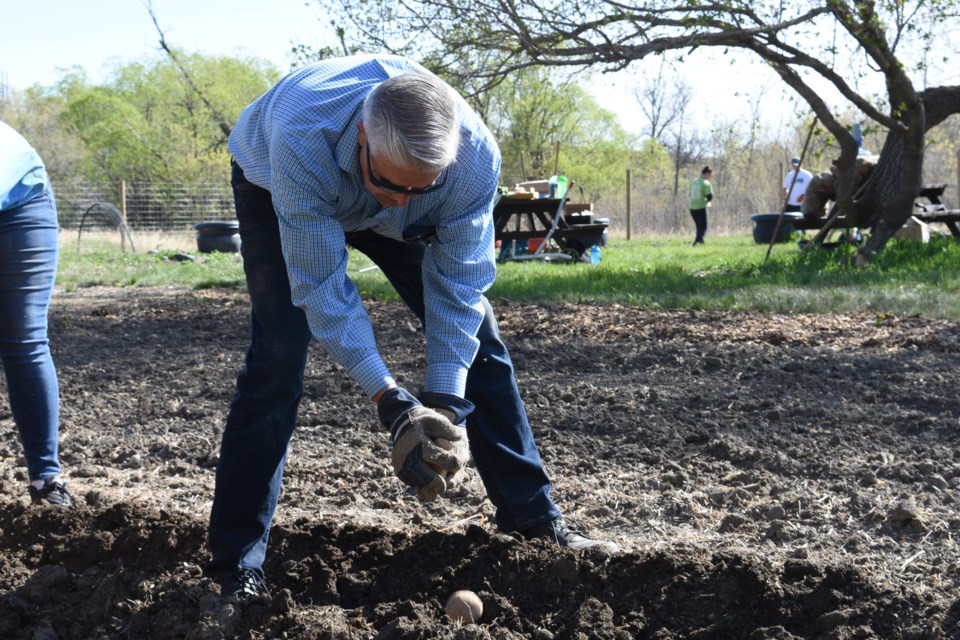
pixel 766 477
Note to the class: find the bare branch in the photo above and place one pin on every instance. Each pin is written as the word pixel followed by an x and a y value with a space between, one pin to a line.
pixel 222 122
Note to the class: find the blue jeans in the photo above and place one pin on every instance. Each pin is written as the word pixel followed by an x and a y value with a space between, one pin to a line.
pixel 263 411
pixel 29 247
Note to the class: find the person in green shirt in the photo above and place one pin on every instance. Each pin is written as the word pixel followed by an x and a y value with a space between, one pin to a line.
pixel 701 195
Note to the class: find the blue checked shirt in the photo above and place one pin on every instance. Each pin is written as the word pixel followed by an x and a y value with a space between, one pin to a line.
pixel 300 142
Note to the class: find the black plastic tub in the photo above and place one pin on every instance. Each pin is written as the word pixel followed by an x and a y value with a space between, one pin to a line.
pixel 223 236
pixel 765 223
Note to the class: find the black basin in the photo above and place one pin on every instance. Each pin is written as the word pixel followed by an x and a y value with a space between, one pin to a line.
pixel 221 236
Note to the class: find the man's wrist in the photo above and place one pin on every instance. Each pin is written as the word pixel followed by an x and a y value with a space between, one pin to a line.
pixel 393 404
pixel 379 394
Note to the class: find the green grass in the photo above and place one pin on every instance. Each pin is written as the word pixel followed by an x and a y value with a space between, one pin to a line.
pixel 731 273
pixel 727 273
pixel 112 267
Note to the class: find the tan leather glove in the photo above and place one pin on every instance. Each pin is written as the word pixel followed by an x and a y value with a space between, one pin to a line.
pixel 420 455
pixel 456 410
pixel 417 458
pixel 460 449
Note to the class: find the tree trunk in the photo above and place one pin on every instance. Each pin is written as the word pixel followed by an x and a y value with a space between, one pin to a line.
pixel 886 201
pixel 940 103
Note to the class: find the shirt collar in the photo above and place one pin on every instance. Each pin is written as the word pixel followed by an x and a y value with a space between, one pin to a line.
pixel 348 147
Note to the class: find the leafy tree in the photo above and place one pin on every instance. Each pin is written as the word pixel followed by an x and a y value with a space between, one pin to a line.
pixel 530 115
pixel 35 113
pixel 148 123
pixel 540 120
pixel 597 152
pixel 546 124
pixel 870 39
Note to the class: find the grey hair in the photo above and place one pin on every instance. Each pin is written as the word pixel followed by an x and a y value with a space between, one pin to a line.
pixel 412 119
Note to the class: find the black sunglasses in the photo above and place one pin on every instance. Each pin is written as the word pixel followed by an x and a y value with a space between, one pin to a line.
pixel 386 185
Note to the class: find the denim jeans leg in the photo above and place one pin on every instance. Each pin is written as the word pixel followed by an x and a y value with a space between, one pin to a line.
pixel 501 441
pixel 263 411
pixel 29 248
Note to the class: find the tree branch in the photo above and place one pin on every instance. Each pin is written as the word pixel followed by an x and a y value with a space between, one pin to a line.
pixel 225 126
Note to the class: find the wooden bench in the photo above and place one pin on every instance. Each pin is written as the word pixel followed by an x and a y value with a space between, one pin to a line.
pixel 949 217
pixel 934 210
pixel 806 224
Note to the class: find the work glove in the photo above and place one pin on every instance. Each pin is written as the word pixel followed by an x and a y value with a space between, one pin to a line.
pixel 419 437
pixel 456 411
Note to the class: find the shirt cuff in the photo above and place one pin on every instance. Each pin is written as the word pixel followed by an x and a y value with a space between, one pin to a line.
pixel 446 378
pixel 372 375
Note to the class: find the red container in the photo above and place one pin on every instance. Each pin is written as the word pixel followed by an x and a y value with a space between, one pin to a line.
pixel 533 244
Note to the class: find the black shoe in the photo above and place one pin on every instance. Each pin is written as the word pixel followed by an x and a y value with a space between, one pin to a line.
pixel 53 492
pixel 565 536
pixel 242 583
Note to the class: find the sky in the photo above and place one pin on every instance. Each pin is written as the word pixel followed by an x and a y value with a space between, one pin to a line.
pixel 92 34
pixel 41 38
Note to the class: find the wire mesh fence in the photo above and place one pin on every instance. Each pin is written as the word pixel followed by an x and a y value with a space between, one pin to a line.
pixel 145 206
pixel 656 208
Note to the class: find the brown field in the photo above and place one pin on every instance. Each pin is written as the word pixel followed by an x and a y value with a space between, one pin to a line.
pixel 766 477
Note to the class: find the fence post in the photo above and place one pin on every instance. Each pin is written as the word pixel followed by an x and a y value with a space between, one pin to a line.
pixel 629 224
pixel 123 215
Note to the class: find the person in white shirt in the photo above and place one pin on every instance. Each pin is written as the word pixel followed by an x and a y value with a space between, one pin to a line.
pixel 793 189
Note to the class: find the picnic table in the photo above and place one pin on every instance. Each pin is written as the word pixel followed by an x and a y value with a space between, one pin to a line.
pixel 933 210
pixel 804 223
pixel 546 219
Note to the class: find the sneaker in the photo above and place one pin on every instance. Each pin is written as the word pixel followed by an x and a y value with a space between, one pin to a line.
pixel 242 583
pixel 566 536
pixel 53 492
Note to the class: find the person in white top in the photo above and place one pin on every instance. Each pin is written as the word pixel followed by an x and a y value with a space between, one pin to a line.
pixel 793 190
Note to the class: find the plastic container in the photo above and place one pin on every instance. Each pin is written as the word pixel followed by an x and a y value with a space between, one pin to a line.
pixel 594 254
pixel 557 186
pixel 765 223
pixel 562 186
pixel 581 217
pixel 223 236
pixel 534 243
